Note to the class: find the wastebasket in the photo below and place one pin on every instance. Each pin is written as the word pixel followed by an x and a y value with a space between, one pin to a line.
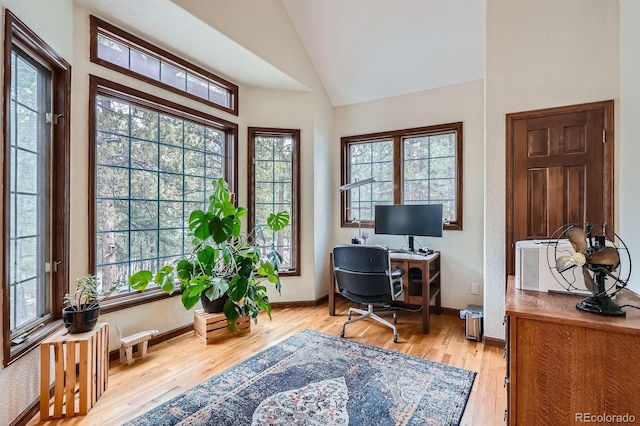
pixel 473 322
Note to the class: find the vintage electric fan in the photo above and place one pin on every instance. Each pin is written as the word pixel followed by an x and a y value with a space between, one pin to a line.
pixel 599 255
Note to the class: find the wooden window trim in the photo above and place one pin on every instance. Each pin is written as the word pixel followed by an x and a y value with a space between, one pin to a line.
pixel 101 86
pixel 16 31
pixel 295 176
pixel 398 136
pixel 97 25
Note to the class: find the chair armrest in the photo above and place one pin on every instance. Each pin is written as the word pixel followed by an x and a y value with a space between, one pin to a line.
pixel 397 273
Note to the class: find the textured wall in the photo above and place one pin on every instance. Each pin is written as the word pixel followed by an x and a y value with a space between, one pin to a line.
pixel 630 132
pixel 540 54
pixel 461 261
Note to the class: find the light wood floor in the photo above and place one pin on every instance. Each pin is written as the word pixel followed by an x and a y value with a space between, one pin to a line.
pixel 183 362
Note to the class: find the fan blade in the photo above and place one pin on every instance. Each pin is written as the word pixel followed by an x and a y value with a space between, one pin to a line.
pixel 588 280
pixel 564 263
pixel 578 239
pixel 608 256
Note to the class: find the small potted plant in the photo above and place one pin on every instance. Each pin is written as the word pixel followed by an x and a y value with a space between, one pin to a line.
pixel 226 267
pixel 83 305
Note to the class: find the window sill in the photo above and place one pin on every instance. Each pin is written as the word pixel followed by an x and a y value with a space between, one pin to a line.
pixel 33 341
pixel 134 299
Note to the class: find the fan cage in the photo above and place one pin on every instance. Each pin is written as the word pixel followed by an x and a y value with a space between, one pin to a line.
pixel 558 245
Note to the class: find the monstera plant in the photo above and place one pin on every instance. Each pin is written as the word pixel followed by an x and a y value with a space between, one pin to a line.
pixel 225 264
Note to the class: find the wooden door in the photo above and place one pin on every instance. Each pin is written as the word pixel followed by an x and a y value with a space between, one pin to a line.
pixel 559 171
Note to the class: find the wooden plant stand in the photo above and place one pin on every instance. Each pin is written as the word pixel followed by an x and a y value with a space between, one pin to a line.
pixel 81 371
pixel 211 328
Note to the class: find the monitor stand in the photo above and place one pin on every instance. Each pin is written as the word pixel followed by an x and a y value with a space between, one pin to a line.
pixel 411 250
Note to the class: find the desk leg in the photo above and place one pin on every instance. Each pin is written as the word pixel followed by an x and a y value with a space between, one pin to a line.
pixel 426 297
pixel 438 308
pixel 332 288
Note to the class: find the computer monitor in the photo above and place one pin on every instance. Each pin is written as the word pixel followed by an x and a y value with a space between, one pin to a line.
pixel 423 220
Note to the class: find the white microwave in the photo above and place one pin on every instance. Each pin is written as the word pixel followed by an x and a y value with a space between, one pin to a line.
pixel 535 267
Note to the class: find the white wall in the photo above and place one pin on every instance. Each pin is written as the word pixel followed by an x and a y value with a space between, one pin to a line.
pixel 323 192
pixel 461 251
pixel 630 133
pixel 291 110
pixel 540 54
pixel 51 21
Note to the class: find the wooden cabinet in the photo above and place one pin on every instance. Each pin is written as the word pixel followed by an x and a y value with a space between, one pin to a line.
pixel 567 366
pixel 421 283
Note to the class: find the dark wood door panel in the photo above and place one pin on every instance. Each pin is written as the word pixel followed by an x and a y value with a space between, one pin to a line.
pixel 575 189
pixel 559 170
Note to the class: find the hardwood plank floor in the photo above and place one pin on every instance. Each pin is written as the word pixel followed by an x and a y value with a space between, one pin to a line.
pixel 183 362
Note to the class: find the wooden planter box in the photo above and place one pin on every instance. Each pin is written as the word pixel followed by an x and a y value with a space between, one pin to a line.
pixel 211 328
pixel 81 371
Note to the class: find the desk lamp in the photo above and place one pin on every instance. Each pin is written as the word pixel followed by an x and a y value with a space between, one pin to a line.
pixel 357 184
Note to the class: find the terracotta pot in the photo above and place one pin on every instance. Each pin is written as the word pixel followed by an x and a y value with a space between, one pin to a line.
pixel 213 306
pixel 79 319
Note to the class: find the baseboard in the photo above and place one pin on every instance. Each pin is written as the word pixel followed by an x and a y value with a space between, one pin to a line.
pixel 300 303
pixel 494 343
pixel 27 414
pixel 115 354
pixel 450 311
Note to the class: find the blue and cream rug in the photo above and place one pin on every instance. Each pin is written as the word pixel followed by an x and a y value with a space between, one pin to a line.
pixel 317 379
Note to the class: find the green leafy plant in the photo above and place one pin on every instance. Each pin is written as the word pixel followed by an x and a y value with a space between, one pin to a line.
pixel 87 294
pixel 224 260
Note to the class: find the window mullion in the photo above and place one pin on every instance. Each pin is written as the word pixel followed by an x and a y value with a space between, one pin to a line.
pixel 398 172
pixel 429 178
pixel 158 191
pixel 129 233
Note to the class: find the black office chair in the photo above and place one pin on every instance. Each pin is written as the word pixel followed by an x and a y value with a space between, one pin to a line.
pixel 364 275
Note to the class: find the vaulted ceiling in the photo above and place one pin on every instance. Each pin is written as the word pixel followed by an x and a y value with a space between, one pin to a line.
pixel 361 49
pixel 370 49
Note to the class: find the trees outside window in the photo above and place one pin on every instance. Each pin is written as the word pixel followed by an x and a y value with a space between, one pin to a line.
pixel 274 182
pixel 36 180
pixel 153 163
pixel 411 166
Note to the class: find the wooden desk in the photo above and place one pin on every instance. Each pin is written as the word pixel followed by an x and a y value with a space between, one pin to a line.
pixel 563 363
pixel 81 371
pixel 421 283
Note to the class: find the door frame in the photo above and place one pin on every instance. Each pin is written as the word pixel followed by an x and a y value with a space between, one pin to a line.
pixel 608 165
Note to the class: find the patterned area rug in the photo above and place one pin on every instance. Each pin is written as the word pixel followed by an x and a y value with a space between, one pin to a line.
pixel 317 379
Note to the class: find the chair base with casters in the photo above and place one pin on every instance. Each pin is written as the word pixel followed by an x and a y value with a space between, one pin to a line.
pixel 369 313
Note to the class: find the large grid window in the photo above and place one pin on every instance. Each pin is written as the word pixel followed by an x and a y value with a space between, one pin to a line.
pixel 35 168
pixel 128 54
pixel 29 172
pixel 412 166
pixel 429 171
pixel 370 159
pixel 154 164
pixel 274 172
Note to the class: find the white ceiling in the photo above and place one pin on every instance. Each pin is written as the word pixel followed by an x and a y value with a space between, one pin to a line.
pixel 370 49
pixel 361 49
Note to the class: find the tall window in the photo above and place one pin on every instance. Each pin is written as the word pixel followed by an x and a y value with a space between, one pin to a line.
pixel 117 49
pixel 154 162
pixel 274 181
pixel 36 143
pixel 411 166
